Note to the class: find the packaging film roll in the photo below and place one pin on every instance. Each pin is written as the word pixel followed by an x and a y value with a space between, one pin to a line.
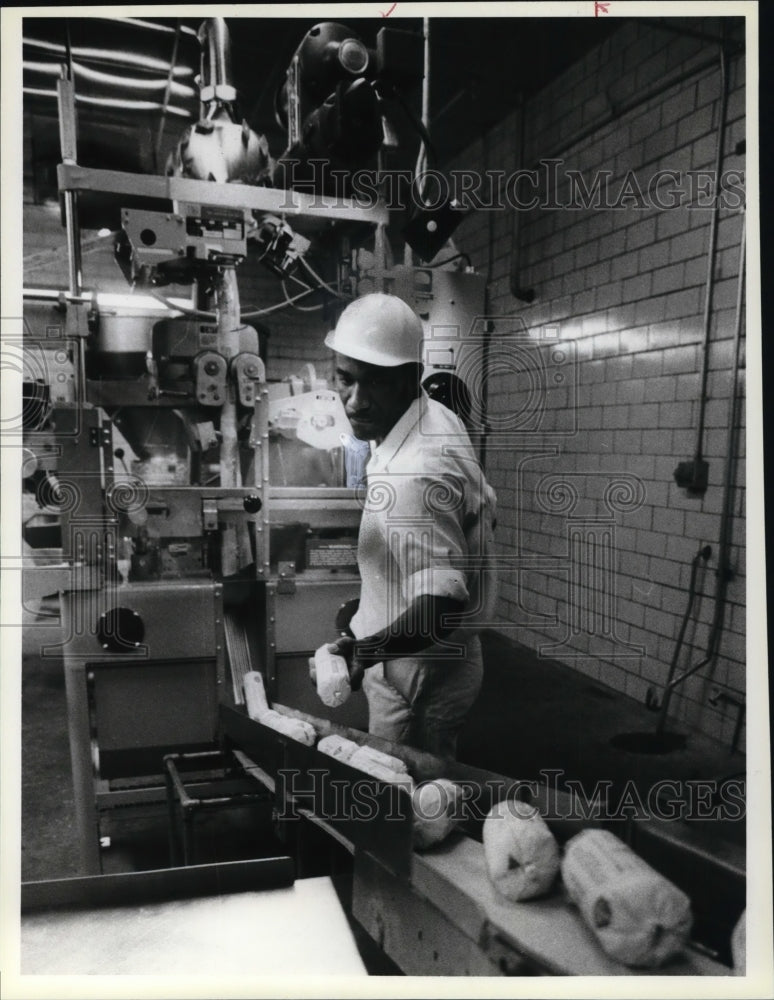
pixel 332 682
pixel 435 807
pixel 639 917
pixel 522 856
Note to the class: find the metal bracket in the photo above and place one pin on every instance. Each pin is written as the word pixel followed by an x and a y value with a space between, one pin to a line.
pixel 246 369
pixel 100 437
pixel 210 369
pixel 210 515
pixel 287 578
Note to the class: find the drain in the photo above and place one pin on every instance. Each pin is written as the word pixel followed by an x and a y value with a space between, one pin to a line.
pixel 648 743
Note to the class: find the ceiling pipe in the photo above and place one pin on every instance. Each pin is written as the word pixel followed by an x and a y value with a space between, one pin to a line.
pixel 112 56
pixel 110 79
pixel 111 102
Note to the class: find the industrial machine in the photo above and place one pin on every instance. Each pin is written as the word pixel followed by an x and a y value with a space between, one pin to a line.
pixel 206 511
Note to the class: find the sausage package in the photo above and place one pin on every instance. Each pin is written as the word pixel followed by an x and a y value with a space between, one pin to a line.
pixel 435 811
pixel 378 765
pixel 258 709
pixel 639 917
pixel 333 685
pixel 522 856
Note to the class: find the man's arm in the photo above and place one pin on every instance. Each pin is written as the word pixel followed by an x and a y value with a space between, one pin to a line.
pixel 427 620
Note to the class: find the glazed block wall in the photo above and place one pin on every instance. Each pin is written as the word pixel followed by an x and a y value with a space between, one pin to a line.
pixel 595 535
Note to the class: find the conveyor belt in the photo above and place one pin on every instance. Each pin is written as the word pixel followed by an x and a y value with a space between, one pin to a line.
pixel 437 912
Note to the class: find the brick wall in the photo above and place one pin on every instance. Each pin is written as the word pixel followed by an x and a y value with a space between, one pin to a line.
pixel 597 536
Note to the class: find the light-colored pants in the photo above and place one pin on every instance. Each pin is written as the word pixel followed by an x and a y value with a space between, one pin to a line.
pixel 424 702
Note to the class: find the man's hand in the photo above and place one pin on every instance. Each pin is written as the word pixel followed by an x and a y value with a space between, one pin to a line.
pixel 345 646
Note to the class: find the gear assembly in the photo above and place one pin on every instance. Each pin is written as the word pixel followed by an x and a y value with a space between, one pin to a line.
pixel 260 468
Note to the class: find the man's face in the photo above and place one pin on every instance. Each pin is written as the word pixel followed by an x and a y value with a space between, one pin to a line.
pixel 374 398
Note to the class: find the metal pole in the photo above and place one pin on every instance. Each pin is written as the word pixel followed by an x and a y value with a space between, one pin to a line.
pixel 229 322
pixel 68 143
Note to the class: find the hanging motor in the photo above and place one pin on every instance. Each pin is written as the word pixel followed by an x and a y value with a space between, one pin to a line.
pixel 218 147
pixel 332 101
pixel 158 247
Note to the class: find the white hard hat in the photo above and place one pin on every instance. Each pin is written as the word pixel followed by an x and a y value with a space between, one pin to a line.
pixel 378 329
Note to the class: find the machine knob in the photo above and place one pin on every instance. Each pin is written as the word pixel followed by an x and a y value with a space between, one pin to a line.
pixel 120 630
pixel 252 503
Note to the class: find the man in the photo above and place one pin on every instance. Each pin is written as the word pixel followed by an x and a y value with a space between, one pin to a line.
pixel 425 543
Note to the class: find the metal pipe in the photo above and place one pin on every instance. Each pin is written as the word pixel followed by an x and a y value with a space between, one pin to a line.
pixel 110 56
pixel 724 569
pixel 111 102
pixel 709 283
pixel 110 79
pixel 215 77
pixel 704 553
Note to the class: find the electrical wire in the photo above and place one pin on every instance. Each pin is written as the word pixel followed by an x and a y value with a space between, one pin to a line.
pixel 321 282
pixel 306 309
pixel 300 282
pixel 418 125
pixel 254 313
pixel 185 310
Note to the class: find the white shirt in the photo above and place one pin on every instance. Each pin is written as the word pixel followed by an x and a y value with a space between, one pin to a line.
pixel 427 523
